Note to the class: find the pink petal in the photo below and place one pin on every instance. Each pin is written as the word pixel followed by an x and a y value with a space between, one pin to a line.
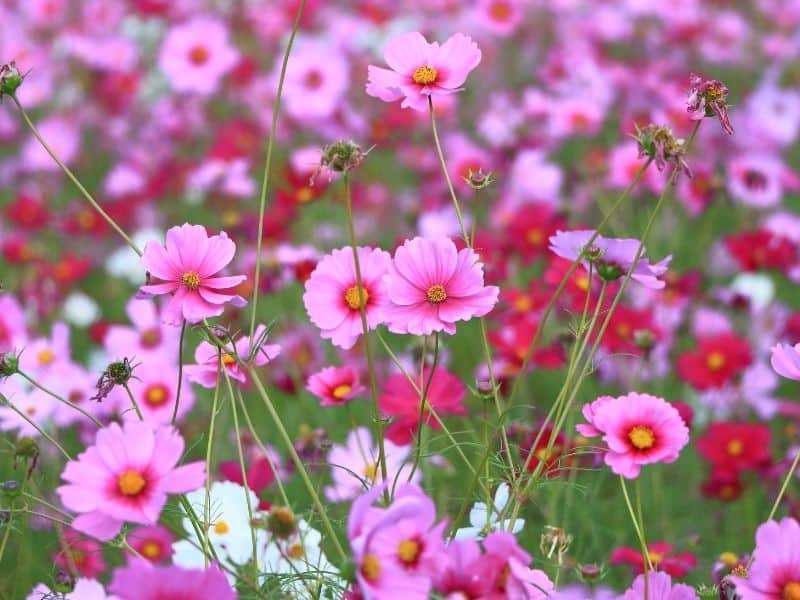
pixel 406 52
pixel 213 297
pixel 79 498
pixel 185 478
pixel 156 260
pixel 97 525
pixel 384 84
pixel 187 246
pixel 219 253
pixel 455 59
pixel 195 308
pixel 159 288
pixel 223 283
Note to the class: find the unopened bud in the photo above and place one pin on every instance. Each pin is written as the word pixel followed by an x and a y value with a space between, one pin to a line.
pixel 644 339
pixel 281 522
pixel 9 364
pixel 590 573
pixel 478 180
pixel 10 79
pixel 63 583
pixel 342 156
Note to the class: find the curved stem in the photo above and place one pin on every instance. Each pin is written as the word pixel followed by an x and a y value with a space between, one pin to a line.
pixel 74 179
pixel 61 399
pixel 262 201
pixel 5 401
pixel 133 402
pixel 180 372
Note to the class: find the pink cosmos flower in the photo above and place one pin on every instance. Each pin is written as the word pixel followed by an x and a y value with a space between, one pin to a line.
pixel 187 264
pixel 400 400
pixel 147 339
pixel 140 580
pixel 316 80
pixel 207 357
pixel 398 550
pixel 775 574
pixel 196 55
pixel 611 257
pixel 659 587
pixel 419 69
pixel 431 285
pixel 785 360
pixel 12 323
pixel 514 579
pixel 335 386
pixel 84 554
pixel 332 297
pixel 153 543
pixel 639 429
pixel 126 476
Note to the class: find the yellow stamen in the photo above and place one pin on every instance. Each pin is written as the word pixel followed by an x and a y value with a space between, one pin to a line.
pixel 370 471
pixel 424 75
pixel 408 551
pixel 46 356
pixel 156 395
pixel 735 447
pixel 191 279
pixel 296 551
pixel 151 550
pixel 371 567
pixel 791 591
pixel 221 527
pixel 642 437
pixel 131 483
pixel 436 294
pixel 351 297
pixel 340 391
pixel 715 361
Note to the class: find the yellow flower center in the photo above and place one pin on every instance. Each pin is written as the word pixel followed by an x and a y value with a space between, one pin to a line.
pixel 655 557
pixel 340 391
pixel 351 297
pixel 729 559
pixel 436 294
pixel 535 236
pixel 791 591
pixel 582 282
pixel 221 527
pixel 424 75
pixel 371 567
pixel 735 447
pixel 228 360
pixel 370 471
pixel 715 361
pixel 156 395
pixel 523 304
pixel 642 437
pixel 46 356
pixel 408 551
pixel 131 483
pixel 198 55
pixel 151 550
pixel 191 279
pixel 296 551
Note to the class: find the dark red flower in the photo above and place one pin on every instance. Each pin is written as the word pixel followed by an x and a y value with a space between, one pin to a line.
pixel 731 446
pixel 715 362
pixel 761 249
pixel 722 485
pixel 661 557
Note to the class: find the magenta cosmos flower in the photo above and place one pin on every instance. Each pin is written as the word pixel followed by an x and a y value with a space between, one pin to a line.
pixel 335 385
pixel 195 55
pixel 659 587
pixel 419 69
pixel 188 265
pixel 126 476
pixel 332 297
pixel 775 574
pixel 431 285
pixel 140 580
pixel 785 360
pixel 639 429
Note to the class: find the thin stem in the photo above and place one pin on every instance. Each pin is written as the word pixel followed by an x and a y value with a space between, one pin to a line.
pixel 262 201
pixel 298 463
pixel 74 179
pixel 42 432
pixel 45 503
pixel 635 521
pixel 6 535
pixel 209 445
pixel 373 385
pixel 423 398
pixel 180 372
pixel 72 405
pixel 133 402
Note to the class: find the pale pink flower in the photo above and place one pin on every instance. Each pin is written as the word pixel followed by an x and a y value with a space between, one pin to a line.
pixel 85 589
pixel 188 265
pixel 141 580
pixel 125 477
pixel 37 406
pixel 659 587
pixel 420 69
pixel 250 354
pixel 431 285
pixel 333 300
pixel 147 340
pixel 317 79
pixel 775 573
pixel 785 360
pixel 501 17
pixel 335 385
pixel 196 55
pixel 62 134
pixel 12 323
pixel 639 429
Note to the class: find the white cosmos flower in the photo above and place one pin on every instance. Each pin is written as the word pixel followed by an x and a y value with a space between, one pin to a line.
pixel 484 519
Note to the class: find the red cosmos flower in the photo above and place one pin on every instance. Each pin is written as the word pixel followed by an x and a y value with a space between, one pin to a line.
pixel 731 447
pixel 259 477
pixel 723 486
pixel 620 337
pixel 82 553
pixel 511 342
pixel 554 465
pixel 530 229
pixel 676 565
pixel 27 212
pixel 715 362
pixel 400 400
pixel 573 297
pixel 761 249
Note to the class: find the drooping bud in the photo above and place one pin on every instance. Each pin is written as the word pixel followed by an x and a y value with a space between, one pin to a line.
pixel 10 79
pixel 478 180
pixel 117 373
pixel 591 573
pixel 10 489
pixel 9 364
pixel 27 450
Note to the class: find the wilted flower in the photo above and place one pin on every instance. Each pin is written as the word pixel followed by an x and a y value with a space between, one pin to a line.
pixel 707 99
pixel 660 144
pixel 117 373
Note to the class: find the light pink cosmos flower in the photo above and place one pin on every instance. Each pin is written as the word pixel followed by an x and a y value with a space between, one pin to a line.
pixel 196 55
pixel 785 360
pixel 335 386
pixel 140 580
pixel 431 285
pixel 332 297
pixel 659 587
pixel 317 78
pixel 207 357
pixel 188 265
pixel 514 578
pixel 147 339
pixel 639 429
pixel 775 574
pixel 419 69
pixel 126 476
pixel 398 550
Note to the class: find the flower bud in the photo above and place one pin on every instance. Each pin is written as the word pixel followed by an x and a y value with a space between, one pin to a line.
pixel 9 364
pixel 63 583
pixel 478 180
pixel 591 573
pixel 10 79
pixel 281 522
pixel 342 156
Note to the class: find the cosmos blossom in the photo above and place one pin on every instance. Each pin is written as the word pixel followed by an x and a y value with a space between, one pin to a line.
pixel 126 476
pixel 333 300
pixel 659 587
pixel 335 385
pixel 775 571
pixel 188 265
pixel 140 580
pixel 638 429
pixel 785 360
pixel 420 69
pixel 431 285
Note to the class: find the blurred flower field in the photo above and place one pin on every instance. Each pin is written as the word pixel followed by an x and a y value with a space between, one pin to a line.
pixel 399 299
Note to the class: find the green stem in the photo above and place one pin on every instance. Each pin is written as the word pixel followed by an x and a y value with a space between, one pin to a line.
pixel 180 372
pixel 373 385
pixel 61 399
pixel 262 201
pixel 42 432
pixel 133 402
pixel 6 535
pixel 209 445
pixel 423 397
pixel 74 179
